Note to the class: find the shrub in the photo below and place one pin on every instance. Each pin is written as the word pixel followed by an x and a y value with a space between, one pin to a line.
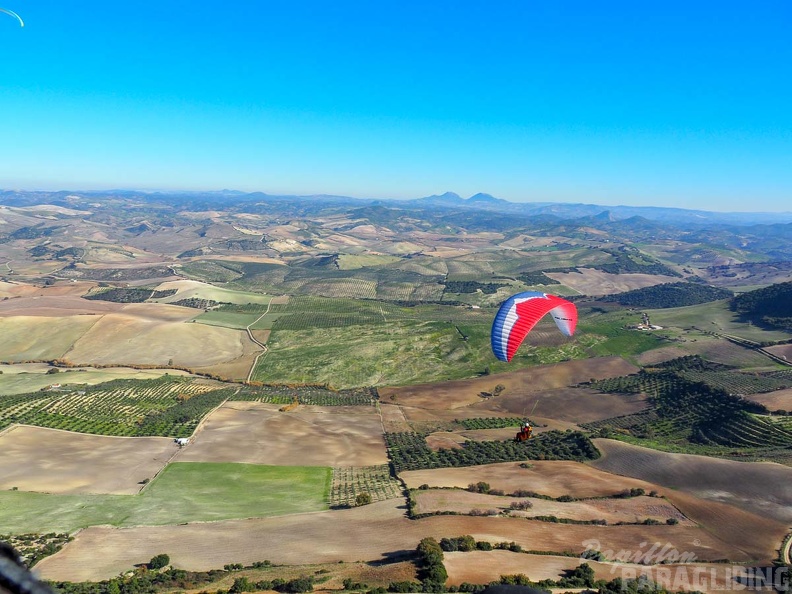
pixel 479 487
pixel 159 561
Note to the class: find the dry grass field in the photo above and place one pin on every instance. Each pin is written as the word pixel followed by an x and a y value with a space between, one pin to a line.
pixel 155 334
pixel 52 461
pixel 374 532
pixel 762 488
pixel 35 338
pixel 192 289
pixel 553 478
pixel 257 433
pixel 596 282
pixel 632 510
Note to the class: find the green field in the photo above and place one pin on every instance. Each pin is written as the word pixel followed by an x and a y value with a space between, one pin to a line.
pixel 714 317
pixel 617 339
pixel 183 492
pixel 227 319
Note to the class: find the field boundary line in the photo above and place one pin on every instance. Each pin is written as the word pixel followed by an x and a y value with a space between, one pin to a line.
pixel 8 429
pixel 90 434
pixel 263 346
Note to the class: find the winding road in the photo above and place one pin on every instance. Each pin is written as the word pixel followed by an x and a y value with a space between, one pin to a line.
pixel 263 346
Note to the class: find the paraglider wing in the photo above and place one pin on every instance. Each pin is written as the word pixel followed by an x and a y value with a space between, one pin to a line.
pixel 13 14
pixel 520 313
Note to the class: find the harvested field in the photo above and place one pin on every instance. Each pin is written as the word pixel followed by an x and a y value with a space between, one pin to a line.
pixel 444 441
pixel 661 355
pixel 51 461
pixel 56 306
pixel 596 282
pixel 632 510
pixel 762 488
pixel 12 290
pixel 155 334
pixel 372 532
pixel 479 567
pixel 257 433
pixel 462 393
pixel 778 400
pixel 782 350
pixel 553 478
pixel 573 405
pixel 236 369
pixel 29 338
pixel 191 289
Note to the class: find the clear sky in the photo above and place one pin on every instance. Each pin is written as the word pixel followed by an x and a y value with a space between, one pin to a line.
pixel 644 103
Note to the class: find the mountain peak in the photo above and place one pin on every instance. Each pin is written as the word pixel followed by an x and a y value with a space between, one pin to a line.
pixel 481 197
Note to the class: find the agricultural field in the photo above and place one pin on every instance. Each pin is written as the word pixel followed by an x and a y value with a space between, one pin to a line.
pixel 459 394
pixel 258 433
pixel 696 407
pixel 161 407
pixel 714 317
pixel 156 334
pixel 551 478
pixel 224 319
pixel 37 338
pixel 588 281
pixel 49 461
pixel 410 451
pixel 762 488
pixel 478 567
pixel 351 481
pixel 188 289
pixel 632 510
pixel 182 492
pixel 773 401
pixel 24 378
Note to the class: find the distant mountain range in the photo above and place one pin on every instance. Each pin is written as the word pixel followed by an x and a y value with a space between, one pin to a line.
pixel 448 200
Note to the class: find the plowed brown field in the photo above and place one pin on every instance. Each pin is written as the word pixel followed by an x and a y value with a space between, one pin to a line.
pixel 257 433
pixel 553 478
pixel 631 510
pixel 52 461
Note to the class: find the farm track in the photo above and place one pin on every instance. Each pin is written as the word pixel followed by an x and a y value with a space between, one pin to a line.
pixel 263 346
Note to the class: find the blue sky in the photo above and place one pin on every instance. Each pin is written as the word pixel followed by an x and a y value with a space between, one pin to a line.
pixel 674 103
